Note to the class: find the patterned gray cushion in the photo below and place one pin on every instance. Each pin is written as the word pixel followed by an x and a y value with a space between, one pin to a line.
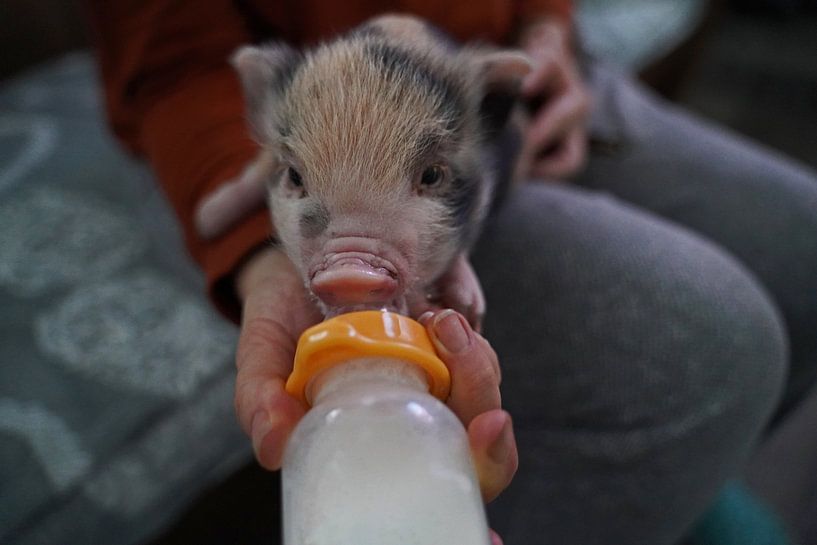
pixel 116 377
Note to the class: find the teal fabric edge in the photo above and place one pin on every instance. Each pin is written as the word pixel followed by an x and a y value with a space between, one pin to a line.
pixel 739 517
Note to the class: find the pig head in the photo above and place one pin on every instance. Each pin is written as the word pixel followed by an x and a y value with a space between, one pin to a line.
pixel 376 169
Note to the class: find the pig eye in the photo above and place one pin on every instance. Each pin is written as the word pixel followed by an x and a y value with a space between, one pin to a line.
pixel 432 176
pixel 294 177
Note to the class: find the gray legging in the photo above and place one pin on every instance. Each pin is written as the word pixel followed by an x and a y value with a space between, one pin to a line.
pixel 647 318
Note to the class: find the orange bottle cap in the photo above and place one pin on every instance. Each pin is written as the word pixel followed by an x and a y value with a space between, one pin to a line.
pixel 362 335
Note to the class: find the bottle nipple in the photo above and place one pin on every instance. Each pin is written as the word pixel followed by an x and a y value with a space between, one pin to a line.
pixel 362 335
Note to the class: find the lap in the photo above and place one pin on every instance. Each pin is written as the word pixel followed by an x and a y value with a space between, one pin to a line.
pixel 643 317
pixel 632 350
pixel 753 203
pixel 583 286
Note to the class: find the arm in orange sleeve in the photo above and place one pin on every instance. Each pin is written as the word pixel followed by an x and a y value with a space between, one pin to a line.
pixel 529 10
pixel 172 96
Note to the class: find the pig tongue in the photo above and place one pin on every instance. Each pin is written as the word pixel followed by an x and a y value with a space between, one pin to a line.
pixel 353 281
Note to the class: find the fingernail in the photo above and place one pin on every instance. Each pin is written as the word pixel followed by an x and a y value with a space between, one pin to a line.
pixel 501 449
pixel 425 317
pixel 451 331
pixel 261 425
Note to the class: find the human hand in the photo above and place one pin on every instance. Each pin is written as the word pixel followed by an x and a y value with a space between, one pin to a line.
pixel 475 397
pixel 555 142
pixel 277 310
pixel 458 289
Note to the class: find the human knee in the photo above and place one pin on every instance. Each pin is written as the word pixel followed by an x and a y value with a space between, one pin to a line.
pixel 604 314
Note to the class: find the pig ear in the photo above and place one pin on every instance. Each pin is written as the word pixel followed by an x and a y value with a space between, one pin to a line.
pixel 501 73
pixel 265 73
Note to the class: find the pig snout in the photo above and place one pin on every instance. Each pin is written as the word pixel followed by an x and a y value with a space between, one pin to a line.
pixel 355 278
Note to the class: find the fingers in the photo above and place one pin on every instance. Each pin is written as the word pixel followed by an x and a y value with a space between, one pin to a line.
pixel 275 312
pixel 471 361
pixel 557 117
pixel 547 76
pixel 555 142
pixel 265 411
pixel 565 158
pixel 493 448
pixel 475 398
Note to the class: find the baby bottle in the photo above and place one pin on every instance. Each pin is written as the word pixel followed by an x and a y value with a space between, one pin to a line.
pixel 378 459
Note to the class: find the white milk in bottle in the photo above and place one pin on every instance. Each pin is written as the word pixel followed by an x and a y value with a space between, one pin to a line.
pixel 377 460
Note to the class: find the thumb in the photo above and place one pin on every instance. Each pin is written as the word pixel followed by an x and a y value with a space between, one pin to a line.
pixel 475 398
pixel 471 361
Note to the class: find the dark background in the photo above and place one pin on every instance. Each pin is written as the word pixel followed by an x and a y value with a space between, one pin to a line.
pixel 752 67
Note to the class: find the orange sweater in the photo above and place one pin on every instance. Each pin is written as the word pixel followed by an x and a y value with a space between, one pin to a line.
pixel 172 97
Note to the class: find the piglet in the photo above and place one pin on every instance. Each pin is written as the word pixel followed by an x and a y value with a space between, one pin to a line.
pixel 382 154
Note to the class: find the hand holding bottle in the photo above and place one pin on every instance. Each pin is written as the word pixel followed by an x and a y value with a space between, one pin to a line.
pixel 277 310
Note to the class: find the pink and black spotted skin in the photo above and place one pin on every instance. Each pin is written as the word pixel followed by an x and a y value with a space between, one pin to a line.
pixel 381 160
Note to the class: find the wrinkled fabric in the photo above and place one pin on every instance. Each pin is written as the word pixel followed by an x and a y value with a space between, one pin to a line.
pixel 651 318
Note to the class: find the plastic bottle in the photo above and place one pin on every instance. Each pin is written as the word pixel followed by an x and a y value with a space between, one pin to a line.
pixel 377 460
